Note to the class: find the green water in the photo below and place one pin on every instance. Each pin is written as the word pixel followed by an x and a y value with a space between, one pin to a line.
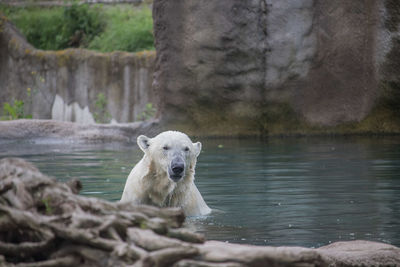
pixel 303 191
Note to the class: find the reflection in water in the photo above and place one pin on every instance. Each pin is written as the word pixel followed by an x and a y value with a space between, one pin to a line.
pixel 305 192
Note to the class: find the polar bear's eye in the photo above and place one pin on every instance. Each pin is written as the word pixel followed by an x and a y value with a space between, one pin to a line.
pixel 186 149
pixel 165 147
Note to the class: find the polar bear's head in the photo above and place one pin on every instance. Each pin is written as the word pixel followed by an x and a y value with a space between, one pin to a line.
pixel 172 153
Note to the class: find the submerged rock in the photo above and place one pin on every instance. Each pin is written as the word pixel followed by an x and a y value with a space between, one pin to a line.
pixel 45 223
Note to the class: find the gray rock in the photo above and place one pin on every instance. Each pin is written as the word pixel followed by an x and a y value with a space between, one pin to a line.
pixel 238 67
pixel 229 67
pixel 210 59
pixel 68 131
pixel 342 83
pixel 360 253
pixel 349 253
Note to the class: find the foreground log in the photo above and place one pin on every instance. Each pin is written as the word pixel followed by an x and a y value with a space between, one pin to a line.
pixel 45 223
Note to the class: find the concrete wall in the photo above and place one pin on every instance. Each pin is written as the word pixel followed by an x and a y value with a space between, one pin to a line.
pixel 65 85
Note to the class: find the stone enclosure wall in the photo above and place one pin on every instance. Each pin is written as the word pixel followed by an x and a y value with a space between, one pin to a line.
pixel 229 67
pixel 276 66
pixel 65 85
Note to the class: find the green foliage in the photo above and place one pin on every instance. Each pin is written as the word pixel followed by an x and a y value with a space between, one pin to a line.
pixel 100 114
pixel 58 28
pixel 41 29
pixel 148 113
pixel 15 111
pixel 127 30
pixel 5 9
pixel 46 202
pixel 95 27
pixel 80 25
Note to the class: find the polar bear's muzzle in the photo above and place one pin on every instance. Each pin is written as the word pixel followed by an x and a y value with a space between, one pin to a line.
pixel 176 169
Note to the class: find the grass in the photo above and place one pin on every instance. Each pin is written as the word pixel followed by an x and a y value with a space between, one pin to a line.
pixel 96 27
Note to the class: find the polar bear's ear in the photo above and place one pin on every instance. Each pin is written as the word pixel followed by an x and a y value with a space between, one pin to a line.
pixel 197 148
pixel 143 142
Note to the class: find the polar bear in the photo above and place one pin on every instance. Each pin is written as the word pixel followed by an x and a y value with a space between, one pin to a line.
pixel 164 177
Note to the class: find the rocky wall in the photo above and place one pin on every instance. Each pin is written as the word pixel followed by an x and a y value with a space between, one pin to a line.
pixel 245 67
pixel 228 67
pixel 65 85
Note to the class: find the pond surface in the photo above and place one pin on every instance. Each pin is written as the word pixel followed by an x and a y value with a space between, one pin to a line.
pixel 301 191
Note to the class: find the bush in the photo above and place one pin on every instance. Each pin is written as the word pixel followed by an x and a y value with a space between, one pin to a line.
pixel 57 28
pixel 15 111
pixel 127 30
pixel 95 27
pixel 80 25
pixel 41 29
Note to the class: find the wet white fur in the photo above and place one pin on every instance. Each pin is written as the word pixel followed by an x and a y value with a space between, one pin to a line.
pixel 149 183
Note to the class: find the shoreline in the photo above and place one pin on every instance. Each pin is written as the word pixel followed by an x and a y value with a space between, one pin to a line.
pixel 62 131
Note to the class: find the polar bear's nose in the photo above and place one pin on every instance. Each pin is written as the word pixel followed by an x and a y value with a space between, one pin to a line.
pixel 177 168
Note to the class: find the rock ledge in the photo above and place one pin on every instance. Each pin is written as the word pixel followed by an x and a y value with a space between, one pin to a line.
pixel 69 131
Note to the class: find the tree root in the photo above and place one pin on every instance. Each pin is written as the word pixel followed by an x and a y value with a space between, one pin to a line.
pixel 45 223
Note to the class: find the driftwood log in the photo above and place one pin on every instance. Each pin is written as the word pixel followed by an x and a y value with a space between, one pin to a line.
pixel 45 223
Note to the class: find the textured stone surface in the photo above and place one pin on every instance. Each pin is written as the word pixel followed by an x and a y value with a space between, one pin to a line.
pixel 360 253
pixel 230 67
pixel 341 85
pixel 264 66
pixel 210 59
pixel 349 253
pixel 75 76
pixel 291 40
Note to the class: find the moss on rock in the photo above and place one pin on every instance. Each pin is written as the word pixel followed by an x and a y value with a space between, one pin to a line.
pixel 280 119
